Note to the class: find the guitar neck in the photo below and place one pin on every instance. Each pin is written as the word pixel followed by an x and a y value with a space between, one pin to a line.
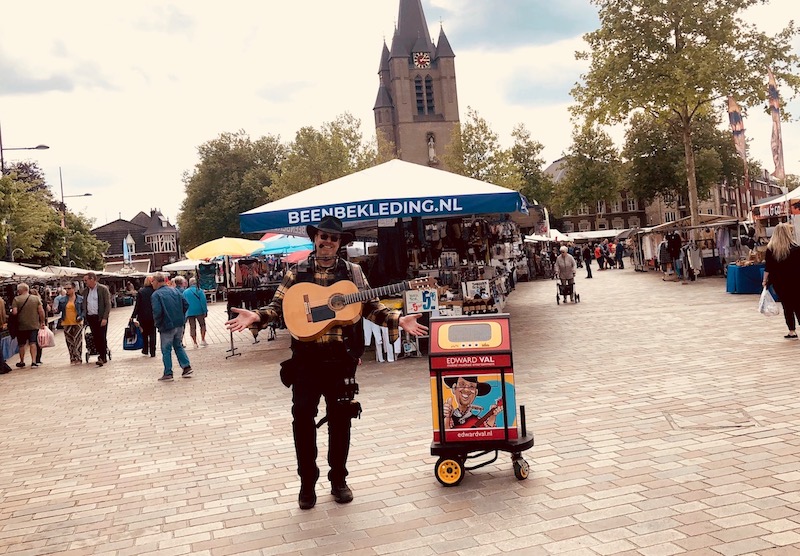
pixel 365 295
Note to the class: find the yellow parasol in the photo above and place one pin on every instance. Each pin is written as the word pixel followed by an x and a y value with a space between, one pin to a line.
pixel 230 246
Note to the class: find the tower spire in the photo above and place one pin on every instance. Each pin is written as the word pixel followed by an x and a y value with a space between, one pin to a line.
pixel 412 29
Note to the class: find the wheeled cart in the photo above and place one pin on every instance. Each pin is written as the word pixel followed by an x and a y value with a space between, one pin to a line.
pixel 473 397
pixel 566 290
pixel 91 347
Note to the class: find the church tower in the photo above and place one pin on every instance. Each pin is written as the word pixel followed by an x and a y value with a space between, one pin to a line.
pixel 417 103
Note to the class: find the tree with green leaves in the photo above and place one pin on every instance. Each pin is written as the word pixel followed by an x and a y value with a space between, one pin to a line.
pixel 25 210
pixel 233 176
pixel 318 156
pixel 593 170
pixel 475 152
pixel 674 59
pixel 656 163
pixel 526 155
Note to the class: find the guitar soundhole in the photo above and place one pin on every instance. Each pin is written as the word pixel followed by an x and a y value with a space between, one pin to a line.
pixel 336 302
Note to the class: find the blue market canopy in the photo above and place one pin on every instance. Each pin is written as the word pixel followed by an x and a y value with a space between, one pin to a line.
pixel 394 189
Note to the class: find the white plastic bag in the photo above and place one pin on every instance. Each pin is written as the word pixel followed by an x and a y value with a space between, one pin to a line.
pixel 46 338
pixel 767 306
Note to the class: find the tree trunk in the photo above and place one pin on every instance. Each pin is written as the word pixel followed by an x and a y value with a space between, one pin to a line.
pixel 691 179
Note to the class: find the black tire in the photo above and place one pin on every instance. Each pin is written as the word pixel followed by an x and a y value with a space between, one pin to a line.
pixel 521 469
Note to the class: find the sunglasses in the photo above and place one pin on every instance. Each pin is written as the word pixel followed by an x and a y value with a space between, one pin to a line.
pixel 324 236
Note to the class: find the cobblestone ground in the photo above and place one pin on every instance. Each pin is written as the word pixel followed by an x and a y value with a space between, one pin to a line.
pixel 666 419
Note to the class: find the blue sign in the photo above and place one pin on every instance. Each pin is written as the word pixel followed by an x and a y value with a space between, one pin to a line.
pixel 449 206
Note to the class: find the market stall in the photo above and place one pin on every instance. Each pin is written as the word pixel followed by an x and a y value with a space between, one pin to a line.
pixel 456 229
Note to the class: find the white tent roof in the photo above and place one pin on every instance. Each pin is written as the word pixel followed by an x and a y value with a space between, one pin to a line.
pixel 394 189
pixel 183 265
pixel 12 270
pixel 793 194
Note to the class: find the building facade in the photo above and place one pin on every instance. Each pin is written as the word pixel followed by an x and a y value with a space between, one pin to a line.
pixel 627 211
pixel 416 109
pixel 151 242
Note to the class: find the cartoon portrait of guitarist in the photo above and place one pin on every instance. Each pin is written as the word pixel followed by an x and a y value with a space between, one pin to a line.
pixel 459 411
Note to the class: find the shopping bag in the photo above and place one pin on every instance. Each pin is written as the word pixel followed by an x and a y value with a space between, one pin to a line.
pixel 133 338
pixel 46 338
pixel 767 305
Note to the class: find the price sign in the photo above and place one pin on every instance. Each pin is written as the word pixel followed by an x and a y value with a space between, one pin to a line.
pixel 421 301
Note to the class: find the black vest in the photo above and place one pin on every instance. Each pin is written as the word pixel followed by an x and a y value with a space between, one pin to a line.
pixel 353 334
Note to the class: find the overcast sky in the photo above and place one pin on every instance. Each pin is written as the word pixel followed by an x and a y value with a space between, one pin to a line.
pixel 125 92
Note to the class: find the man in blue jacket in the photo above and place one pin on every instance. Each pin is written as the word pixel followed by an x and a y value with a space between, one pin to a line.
pixel 169 308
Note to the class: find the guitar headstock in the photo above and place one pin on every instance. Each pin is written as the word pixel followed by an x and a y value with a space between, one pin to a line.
pixel 422 283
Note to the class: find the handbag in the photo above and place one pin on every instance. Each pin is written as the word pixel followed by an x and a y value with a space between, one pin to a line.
pixel 132 339
pixel 46 338
pixel 767 305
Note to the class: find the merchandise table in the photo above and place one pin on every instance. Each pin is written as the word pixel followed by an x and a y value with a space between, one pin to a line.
pixel 745 279
pixel 9 346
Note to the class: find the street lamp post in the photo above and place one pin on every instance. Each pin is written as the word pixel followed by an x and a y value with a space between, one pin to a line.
pixel 65 250
pixel 3 149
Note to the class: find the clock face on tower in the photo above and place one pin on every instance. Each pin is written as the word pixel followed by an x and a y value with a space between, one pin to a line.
pixel 422 60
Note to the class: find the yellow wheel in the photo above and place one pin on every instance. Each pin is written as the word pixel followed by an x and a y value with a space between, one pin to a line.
pixel 449 471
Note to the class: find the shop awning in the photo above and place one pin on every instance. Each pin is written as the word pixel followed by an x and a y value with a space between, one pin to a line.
pixel 704 220
pixel 394 189
pixel 782 205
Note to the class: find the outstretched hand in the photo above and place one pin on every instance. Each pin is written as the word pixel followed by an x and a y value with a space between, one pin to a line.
pixel 409 324
pixel 244 319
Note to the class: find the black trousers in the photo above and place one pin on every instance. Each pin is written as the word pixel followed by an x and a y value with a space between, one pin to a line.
pixel 148 336
pixel 315 378
pixel 791 308
pixel 588 268
pixel 99 334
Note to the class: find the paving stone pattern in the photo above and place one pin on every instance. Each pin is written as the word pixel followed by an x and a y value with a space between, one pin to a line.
pixel 666 419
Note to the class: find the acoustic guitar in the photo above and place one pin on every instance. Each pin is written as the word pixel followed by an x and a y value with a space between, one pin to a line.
pixel 475 422
pixel 310 310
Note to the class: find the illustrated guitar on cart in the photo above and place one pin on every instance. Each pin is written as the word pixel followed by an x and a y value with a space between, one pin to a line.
pixel 475 422
pixel 310 310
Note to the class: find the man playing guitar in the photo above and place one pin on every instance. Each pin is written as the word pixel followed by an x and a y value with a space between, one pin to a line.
pixel 325 366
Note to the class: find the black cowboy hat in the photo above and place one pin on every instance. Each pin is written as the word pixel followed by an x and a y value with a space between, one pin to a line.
pixel 332 225
pixel 483 388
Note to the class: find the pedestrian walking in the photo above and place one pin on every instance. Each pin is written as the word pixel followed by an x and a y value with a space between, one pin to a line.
pixel 143 314
pixel 587 257
pixel 69 308
pixel 197 312
pixel 782 271
pixel 169 310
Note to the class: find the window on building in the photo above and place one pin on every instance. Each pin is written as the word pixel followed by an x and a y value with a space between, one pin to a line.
pixel 569 227
pixel 632 205
pixel 602 225
pixel 710 211
pixel 601 207
pixel 584 226
pixel 420 95
pixel 681 201
pixel 429 95
pixel 423 91
pixel 616 206
pixel 583 209
pixel 669 216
